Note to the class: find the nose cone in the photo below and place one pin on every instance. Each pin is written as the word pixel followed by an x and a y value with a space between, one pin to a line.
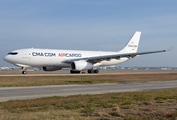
pixel 6 58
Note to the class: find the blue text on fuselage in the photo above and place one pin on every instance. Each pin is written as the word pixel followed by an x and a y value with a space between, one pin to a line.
pixel 44 54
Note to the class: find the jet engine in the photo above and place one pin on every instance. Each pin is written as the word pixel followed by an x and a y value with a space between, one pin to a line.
pixel 51 68
pixel 81 65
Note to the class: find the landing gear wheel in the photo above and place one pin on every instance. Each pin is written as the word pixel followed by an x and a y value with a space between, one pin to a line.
pixel 93 71
pixel 74 72
pixel 96 71
pixel 24 72
pixel 90 71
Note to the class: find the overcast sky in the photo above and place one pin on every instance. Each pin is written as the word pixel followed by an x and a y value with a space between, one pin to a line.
pixel 105 25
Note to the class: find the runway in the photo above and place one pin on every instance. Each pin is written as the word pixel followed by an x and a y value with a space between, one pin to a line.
pixel 84 74
pixel 13 93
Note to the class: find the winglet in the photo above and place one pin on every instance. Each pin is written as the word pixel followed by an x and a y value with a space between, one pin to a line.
pixel 170 48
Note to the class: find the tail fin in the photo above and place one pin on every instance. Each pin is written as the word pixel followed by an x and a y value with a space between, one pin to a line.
pixel 132 45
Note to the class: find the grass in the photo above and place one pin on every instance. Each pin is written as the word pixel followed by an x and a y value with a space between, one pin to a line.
pixel 155 105
pixel 128 106
pixel 19 81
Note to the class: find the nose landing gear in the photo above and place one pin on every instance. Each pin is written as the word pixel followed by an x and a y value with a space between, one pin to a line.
pixel 24 71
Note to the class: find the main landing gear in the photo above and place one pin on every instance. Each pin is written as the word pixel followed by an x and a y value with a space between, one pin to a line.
pixel 24 71
pixel 74 72
pixel 89 71
pixel 93 71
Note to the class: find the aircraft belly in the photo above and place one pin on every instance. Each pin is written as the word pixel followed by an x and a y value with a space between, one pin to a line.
pixel 63 65
pixel 111 62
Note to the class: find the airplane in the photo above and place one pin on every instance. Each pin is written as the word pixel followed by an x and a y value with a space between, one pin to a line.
pixel 77 60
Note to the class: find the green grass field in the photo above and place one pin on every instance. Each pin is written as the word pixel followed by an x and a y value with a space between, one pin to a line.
pixel 65 80
pixel 147 105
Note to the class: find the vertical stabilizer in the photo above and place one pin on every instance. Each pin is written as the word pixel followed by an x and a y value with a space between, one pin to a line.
pixel 132 45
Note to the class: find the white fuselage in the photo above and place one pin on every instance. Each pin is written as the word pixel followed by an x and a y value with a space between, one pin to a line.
pixel 77 60
pixel 51 57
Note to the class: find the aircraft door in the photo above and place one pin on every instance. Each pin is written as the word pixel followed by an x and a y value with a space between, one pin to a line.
pixel 24 54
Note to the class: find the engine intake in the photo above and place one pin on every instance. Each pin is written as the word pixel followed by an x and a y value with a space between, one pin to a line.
pixel 81 65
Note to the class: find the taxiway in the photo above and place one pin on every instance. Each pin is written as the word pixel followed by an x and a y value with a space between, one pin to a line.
pixel 84 74
pixel 14 93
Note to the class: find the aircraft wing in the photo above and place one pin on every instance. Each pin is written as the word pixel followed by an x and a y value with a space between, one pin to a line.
pixel 115 56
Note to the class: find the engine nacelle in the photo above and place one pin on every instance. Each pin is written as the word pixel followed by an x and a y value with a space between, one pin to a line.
pixel 51 68
pixel 81 65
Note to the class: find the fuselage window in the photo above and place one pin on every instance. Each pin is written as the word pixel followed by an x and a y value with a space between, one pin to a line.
pixel 12 53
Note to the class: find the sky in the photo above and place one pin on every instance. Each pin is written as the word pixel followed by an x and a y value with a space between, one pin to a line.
pixel 105 25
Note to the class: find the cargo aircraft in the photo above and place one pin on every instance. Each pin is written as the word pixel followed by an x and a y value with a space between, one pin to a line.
pixel 77 60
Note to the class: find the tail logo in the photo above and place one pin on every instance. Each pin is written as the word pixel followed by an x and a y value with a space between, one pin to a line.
pixel 133 46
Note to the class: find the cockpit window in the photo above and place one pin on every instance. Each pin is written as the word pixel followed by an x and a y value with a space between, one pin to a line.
pixel 12 53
